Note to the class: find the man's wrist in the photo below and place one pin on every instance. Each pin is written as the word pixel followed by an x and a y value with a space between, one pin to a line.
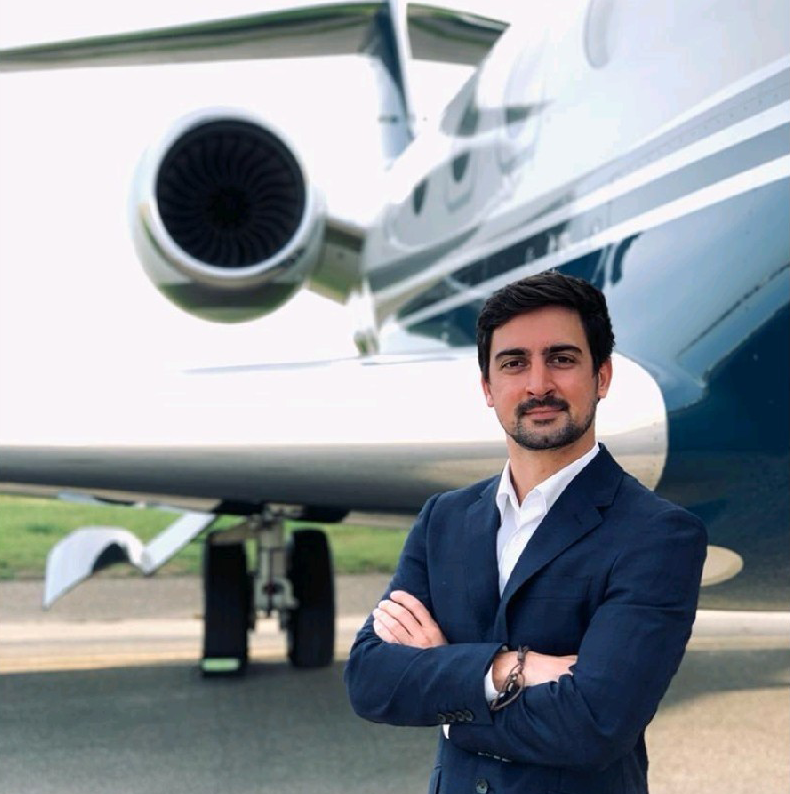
pixel 515 682
pixel 502 665
pixel 491 691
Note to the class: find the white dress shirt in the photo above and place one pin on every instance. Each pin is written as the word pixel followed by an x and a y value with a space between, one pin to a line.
pixel 518 525
pixel 519 522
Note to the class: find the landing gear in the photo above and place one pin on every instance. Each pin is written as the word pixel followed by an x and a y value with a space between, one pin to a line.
pixel 228 606
pixel 295 580
pixel 310 625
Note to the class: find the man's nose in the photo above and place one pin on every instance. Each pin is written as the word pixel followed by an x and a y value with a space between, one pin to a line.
pixel 539 382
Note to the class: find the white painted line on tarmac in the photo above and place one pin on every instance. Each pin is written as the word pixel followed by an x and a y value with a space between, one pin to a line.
pixel 48 646
pixel 74 631
pixel 713 623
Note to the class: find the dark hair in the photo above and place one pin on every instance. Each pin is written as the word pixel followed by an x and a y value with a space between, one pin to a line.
pixel 547 289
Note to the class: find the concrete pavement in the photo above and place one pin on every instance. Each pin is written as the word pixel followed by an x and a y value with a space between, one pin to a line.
pixel 102 693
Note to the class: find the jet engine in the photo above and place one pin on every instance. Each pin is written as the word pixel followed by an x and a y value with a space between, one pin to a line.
pixel 224 219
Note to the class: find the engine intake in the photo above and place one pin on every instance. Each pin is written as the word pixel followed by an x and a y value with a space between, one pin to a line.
pixel 226 224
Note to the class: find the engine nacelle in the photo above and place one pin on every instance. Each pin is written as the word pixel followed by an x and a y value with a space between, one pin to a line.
pixel 224 219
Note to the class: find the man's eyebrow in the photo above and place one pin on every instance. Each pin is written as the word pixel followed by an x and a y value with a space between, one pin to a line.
pixel 565 348
pixel 512 351
pixel 547 351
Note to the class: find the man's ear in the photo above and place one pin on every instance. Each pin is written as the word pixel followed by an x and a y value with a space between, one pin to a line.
pixel 604 378
pixel 486 390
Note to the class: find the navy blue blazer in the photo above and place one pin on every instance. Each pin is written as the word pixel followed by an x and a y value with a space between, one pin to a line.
pixel 611 574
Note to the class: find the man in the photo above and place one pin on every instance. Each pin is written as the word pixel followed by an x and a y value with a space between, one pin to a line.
pixel 564 557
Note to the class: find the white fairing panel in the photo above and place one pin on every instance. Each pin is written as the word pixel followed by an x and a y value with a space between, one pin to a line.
pixel 87 550
pixel 73 559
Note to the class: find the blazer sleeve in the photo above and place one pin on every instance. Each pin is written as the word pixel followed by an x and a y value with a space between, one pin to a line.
pixel 628 655
pixel 400 685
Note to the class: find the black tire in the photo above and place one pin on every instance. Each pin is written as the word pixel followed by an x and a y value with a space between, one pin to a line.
pixel 251 614
pixel 227 608
pixel 310 627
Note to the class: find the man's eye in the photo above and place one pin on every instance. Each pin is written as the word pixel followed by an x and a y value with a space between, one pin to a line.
pixel 512 363
pixel 562 360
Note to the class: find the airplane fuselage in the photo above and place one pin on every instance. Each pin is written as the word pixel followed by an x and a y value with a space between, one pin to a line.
pixel 657 168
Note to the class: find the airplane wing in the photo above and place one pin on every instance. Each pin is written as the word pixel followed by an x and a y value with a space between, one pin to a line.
pixel 437 34
pixel 352 434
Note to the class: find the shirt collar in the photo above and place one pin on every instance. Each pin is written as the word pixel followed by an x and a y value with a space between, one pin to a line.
pixel 547 491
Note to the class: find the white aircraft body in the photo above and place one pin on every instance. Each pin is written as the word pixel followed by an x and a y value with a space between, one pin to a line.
pixel 643 146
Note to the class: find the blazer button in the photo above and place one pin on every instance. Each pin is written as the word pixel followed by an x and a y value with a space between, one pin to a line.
pixel 460 716
pixel 450 716
pixel 468 716
pixel 481 787
pixel 441 718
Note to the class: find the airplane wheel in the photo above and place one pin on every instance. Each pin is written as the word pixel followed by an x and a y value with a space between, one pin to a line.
pixel 228 604
pixel 310 627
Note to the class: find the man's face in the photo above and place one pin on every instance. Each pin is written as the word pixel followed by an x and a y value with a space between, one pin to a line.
pixel 541 381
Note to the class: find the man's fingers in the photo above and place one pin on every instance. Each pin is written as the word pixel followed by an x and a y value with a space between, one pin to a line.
pixel 414 606
pixel 404 625
pixel 383 632
pixel 404 616
pixel 542 668
pixel 394 626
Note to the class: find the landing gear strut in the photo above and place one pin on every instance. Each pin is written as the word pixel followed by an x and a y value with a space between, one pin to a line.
pixel 293 579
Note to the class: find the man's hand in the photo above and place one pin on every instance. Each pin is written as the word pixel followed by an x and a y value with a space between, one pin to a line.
pixel 403 619
pixel 539 668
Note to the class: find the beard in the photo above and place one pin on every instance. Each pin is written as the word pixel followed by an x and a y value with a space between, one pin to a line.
pixel 536 439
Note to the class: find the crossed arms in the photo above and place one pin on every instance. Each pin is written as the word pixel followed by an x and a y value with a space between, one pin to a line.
pixel 402 619
pixel 402 671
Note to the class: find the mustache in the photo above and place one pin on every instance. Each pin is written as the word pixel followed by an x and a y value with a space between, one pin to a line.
pixel 546 402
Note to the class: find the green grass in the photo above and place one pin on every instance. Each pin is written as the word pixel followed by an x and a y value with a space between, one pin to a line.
pixel 30 527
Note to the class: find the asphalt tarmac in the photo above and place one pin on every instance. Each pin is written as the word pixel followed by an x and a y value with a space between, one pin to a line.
pixel 102 693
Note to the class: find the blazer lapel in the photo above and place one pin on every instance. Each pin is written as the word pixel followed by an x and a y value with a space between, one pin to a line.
pixel 572 516
pixel 482 577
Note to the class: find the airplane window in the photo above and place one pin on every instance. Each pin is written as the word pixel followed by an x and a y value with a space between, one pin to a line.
pixel 599 32
pixel 418 196
pixel 459 166
pixel 467 127
pixel 516 119
pixel 469 121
